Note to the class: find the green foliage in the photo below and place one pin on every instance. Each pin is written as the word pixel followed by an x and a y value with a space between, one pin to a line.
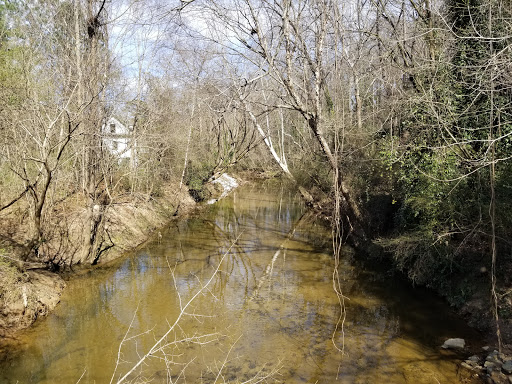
pixel 433 196
pixel 196 175
pixel 439 156
pixel 429 200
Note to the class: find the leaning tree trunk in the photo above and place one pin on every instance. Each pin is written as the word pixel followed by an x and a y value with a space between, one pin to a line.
pixel 350 213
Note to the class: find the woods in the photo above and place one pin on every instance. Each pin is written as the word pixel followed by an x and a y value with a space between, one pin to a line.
pixel 394 114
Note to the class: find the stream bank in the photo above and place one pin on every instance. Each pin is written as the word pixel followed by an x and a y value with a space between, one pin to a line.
pixel 466 287
pixel 131 223
pixel 30 290
pixel 269 310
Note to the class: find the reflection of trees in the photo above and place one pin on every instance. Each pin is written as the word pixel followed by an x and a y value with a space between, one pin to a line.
pixel 291 316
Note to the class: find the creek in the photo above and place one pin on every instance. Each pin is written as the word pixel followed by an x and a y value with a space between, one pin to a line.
pixel 269 311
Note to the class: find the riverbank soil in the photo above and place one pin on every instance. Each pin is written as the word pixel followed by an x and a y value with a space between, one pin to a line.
pixel 30 285
pixel 26 296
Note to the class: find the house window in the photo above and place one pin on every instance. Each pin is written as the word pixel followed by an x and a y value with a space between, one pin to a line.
pixel 112 128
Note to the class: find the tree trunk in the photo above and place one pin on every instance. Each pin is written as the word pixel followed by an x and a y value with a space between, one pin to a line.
pixel 351 212
pixel 92 139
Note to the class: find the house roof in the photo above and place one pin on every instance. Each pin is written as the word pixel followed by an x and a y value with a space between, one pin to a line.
pixel 121 129
pixel 116 121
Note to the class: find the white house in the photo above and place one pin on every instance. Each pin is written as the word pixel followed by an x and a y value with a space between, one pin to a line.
pixel 118 138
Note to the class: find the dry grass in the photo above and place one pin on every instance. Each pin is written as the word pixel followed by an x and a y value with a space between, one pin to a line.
pixel 11 279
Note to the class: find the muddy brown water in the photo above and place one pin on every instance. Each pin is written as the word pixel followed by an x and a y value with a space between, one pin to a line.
pixel 268 314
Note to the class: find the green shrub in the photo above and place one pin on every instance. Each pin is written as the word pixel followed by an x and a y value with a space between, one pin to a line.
pixel 196 175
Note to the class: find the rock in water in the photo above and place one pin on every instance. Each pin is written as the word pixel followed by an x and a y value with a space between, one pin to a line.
pixel 474 359
pixel 227 182
pixel 507 366
pixel 454 344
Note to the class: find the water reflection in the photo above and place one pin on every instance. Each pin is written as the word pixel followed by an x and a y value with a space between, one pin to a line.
pixel 269 311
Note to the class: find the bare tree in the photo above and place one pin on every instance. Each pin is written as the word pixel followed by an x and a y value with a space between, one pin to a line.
pixel 287 43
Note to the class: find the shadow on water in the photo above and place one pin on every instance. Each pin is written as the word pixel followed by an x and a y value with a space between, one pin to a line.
pixel 269 312
pixel 406 324
pixel 423 315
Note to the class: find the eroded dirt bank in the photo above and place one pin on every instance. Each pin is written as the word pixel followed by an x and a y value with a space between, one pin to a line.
pixel 31 288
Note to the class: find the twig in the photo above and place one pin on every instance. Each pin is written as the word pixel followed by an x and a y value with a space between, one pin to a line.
pixel 122 341
pixel 83 373
pixel 226 359
pixel 156 346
